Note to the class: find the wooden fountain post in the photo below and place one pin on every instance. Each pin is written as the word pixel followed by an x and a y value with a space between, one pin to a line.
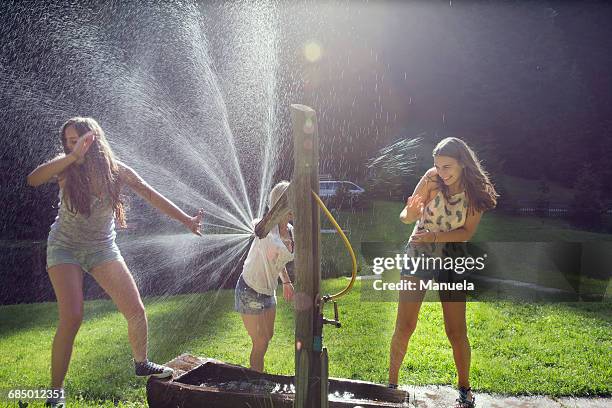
pixel 186 390
pixel 310 388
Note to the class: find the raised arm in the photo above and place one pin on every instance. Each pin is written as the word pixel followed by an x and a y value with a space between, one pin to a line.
pixel 415 203
pixel 137 184
pixel 52 168
pixel 45 172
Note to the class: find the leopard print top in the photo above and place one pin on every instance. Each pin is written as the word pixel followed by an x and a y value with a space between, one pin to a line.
pixel 439 215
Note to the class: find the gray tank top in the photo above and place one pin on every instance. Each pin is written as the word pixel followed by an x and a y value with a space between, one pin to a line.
pixel 75 230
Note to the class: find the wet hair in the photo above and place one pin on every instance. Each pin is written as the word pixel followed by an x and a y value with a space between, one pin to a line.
pixel 479 190
pixel 98 169
pixel 277 192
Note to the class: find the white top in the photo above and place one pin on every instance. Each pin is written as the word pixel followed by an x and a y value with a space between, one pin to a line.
pixel 266 260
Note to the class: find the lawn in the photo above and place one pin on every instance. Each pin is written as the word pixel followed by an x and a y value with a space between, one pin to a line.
pixel 518 348
pixel 380 223
pixel 554 349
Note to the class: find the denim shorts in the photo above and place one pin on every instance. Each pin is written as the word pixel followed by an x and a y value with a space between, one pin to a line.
pixel 86 258
pixel 249 301
pixel 439 275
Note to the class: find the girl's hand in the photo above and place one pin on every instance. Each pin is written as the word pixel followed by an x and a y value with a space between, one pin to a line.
pixel 194 224
pixel 83 144
pixel 415 205
pixel 288 291
pixel 424 236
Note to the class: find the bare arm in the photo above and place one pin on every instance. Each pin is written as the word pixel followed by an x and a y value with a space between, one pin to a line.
pixel 50 169
pixel 284 276
pixel 464 233
pixel 461 234
pixel 157 200
pixel 414 206
pixel 288 290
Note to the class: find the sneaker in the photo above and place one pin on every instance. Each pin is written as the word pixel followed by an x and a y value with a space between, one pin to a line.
pixel 55 403
pixel 149 369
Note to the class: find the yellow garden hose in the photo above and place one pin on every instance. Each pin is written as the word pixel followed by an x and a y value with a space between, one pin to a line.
pixel 331 219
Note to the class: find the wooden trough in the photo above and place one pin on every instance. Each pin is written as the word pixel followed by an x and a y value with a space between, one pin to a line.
pixel 206 382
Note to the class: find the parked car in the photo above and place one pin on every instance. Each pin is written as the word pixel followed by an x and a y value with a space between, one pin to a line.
pixel 330 188
pixel 340 193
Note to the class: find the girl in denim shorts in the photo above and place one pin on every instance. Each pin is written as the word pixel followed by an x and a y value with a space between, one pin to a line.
pixel 447 205
pixel 82 238
pixel 255 294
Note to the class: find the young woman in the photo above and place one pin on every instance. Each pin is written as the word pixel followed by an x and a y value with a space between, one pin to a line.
pixel 83 238
pixel 255 294
pixel 447 205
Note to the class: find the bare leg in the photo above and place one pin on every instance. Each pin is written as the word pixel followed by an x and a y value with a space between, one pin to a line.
pixel 261 329
pixel 67 281
pixel 116 280
pixel 456 331
pixel 405 324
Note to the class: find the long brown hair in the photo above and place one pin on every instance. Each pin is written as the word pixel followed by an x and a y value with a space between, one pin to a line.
pixel 99 169
pixel 479 190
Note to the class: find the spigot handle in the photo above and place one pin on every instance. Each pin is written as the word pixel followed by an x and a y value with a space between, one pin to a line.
pixel 336 321
pixel 336 312
pixel 332 322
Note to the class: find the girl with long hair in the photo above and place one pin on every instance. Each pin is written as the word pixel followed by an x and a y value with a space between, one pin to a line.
pixel 82 238
pixel 447 205
pixel 255 293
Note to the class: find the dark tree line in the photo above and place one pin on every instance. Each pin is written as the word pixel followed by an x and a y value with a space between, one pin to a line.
pixel 526 83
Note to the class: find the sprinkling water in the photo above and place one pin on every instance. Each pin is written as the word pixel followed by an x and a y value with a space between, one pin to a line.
pixel 183 99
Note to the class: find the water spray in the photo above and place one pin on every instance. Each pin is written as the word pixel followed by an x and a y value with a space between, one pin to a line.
pixel 198 380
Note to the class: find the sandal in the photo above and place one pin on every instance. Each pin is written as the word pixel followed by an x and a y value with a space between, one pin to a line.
pixel 463 401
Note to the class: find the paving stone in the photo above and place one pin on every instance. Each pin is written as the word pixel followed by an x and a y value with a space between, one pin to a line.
pixel 444 397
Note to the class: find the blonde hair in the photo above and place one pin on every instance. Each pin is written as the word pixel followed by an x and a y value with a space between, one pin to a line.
pixel 99 165
pixel 277 192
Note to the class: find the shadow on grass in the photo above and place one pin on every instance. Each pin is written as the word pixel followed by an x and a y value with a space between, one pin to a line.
pixel 174 324
pixel 600 311
pixel 23 317
pixel 197 316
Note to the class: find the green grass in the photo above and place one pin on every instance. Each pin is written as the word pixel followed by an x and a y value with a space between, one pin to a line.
pixel 381 223
pixel 554 349
pixel 518 348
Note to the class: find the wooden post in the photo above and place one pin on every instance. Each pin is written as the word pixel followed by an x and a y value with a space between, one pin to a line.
pixel 308 384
